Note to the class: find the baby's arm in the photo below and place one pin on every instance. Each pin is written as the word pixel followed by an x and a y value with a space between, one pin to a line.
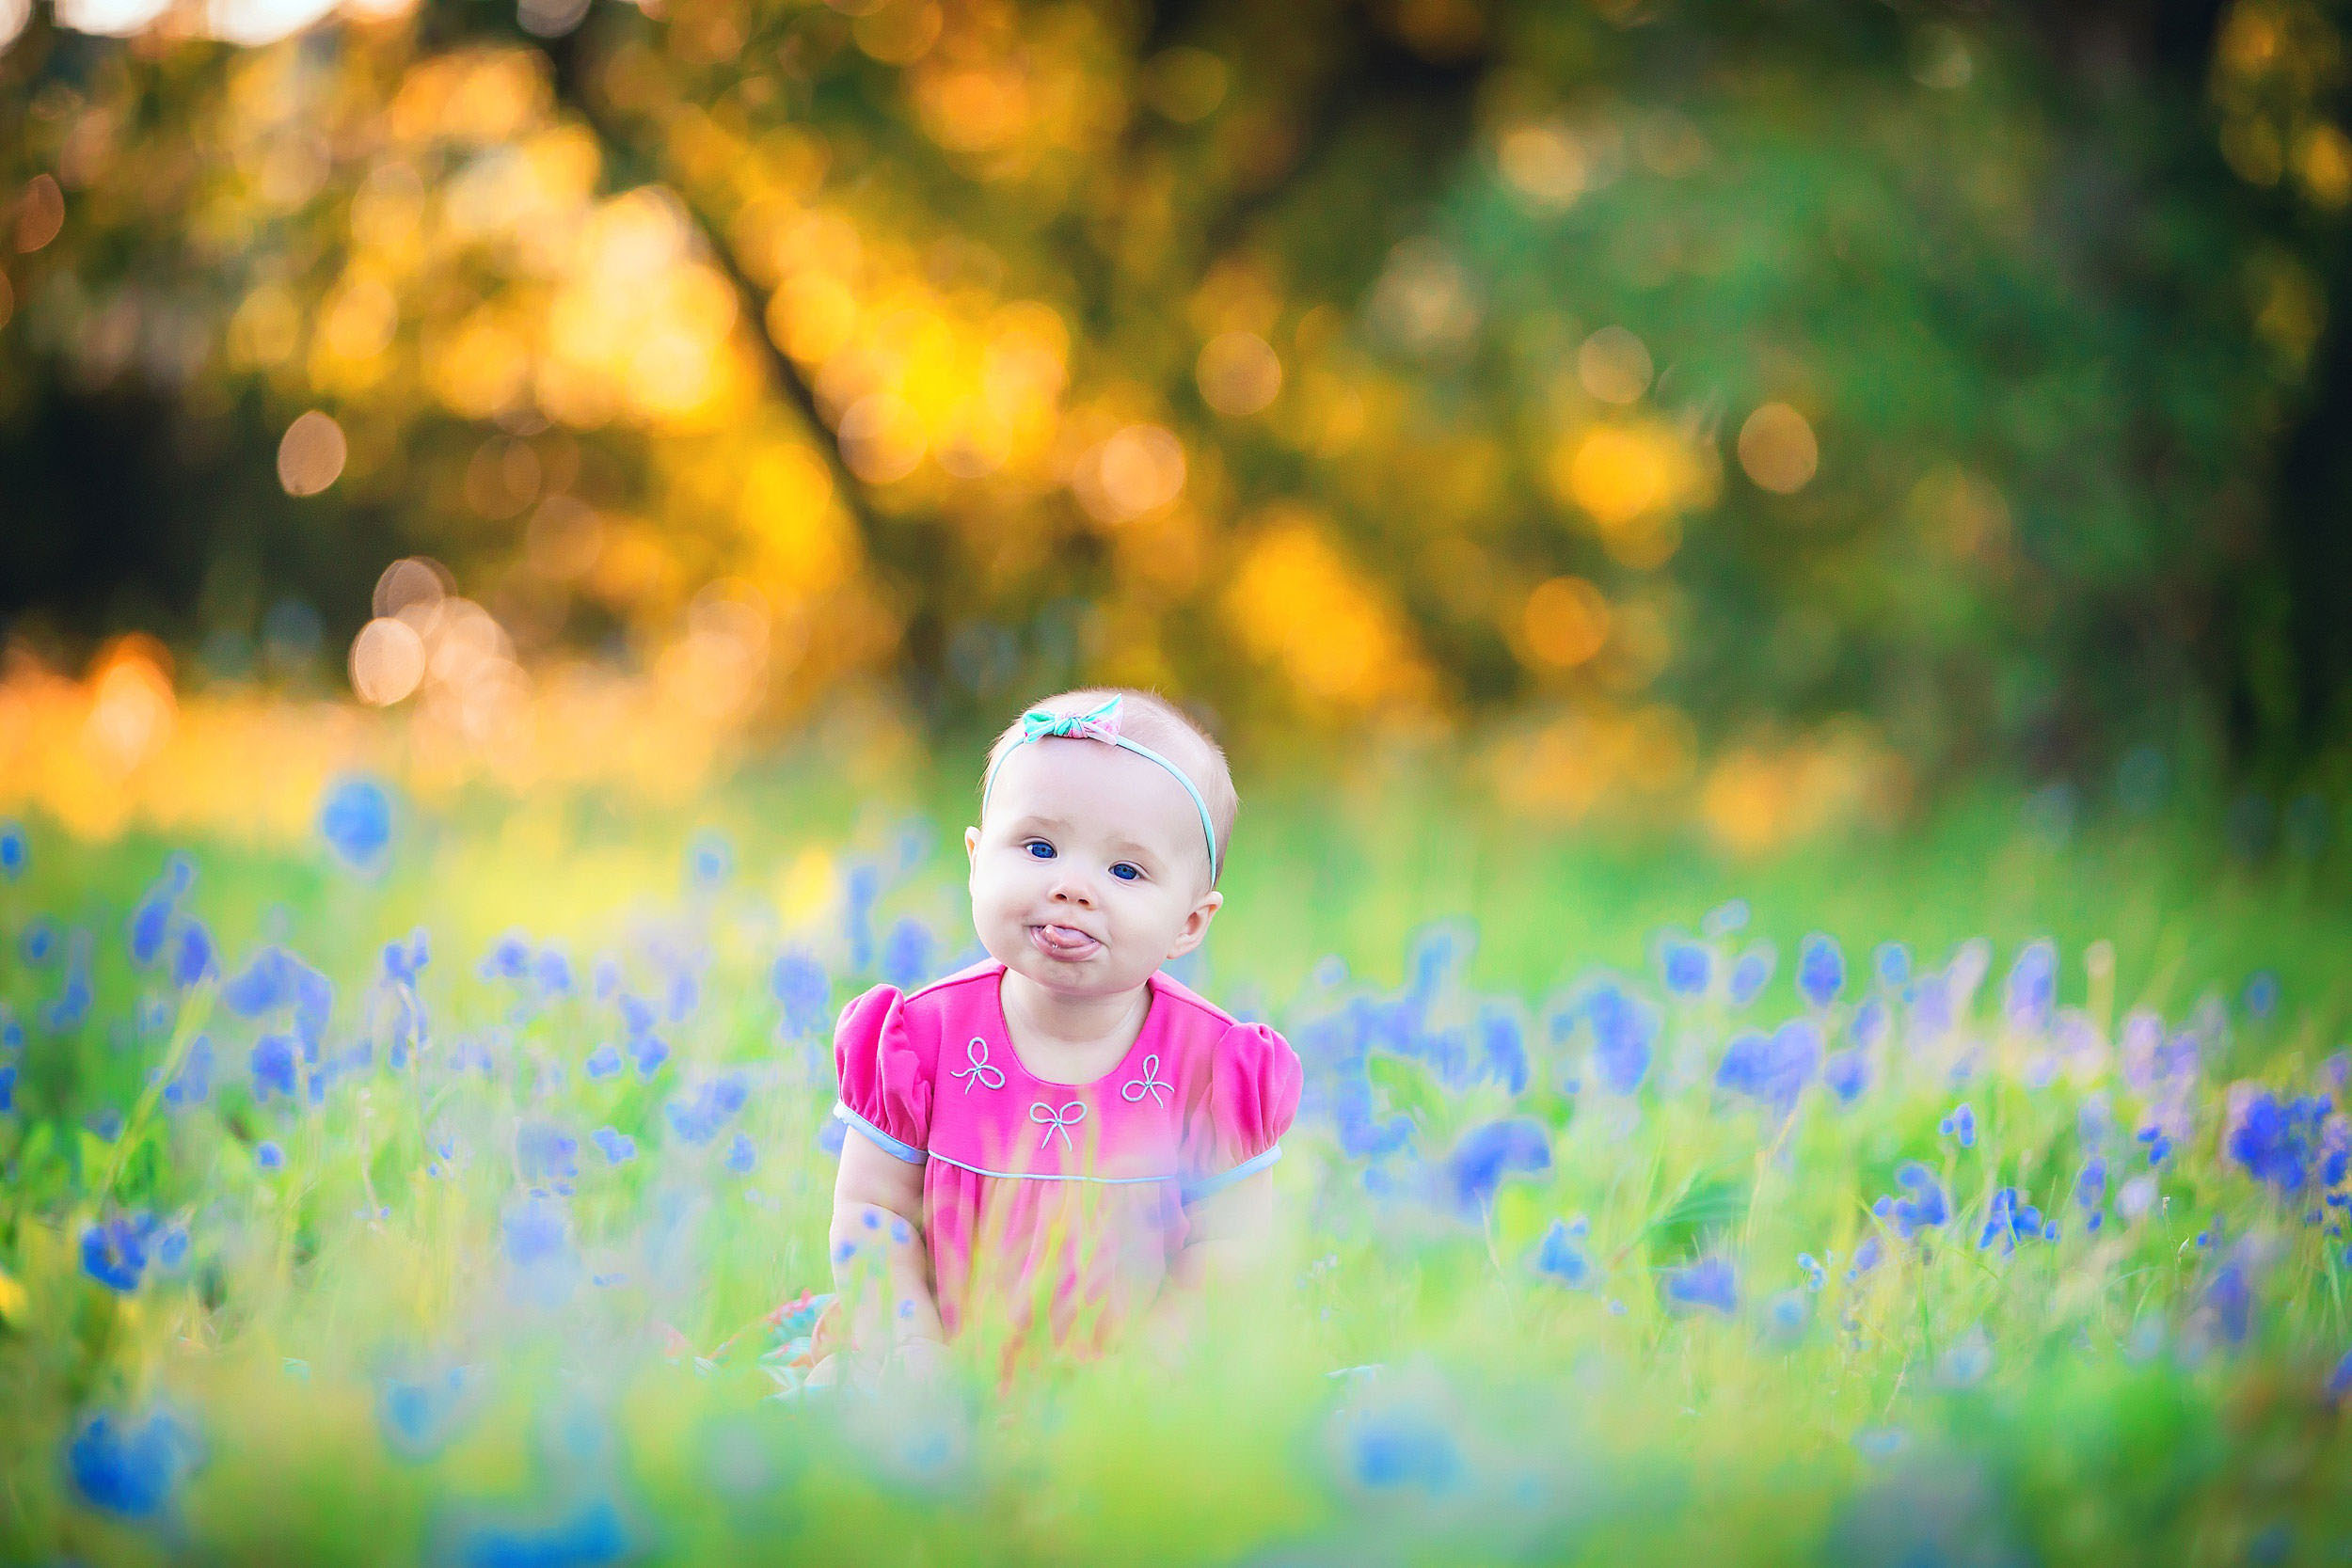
pixel 1225 1239
pixel 881 1266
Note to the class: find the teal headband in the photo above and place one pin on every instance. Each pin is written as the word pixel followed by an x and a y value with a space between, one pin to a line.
pixel 1100 723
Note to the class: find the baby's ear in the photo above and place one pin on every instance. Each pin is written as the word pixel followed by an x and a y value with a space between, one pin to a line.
pixel 971 843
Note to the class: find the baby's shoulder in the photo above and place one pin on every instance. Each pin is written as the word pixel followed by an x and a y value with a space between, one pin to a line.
pixel 1194 1024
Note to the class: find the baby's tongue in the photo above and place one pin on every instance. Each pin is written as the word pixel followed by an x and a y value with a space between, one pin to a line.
pixel 1064 939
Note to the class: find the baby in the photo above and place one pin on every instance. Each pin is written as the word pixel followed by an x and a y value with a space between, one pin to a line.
pixel 1061 1126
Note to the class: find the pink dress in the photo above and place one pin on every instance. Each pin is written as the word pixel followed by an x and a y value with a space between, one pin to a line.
pixel 1082 1187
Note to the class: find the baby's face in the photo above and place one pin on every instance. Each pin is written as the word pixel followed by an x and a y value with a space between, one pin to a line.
pixel 1091 870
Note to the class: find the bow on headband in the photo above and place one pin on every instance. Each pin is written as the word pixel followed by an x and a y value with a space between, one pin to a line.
pixel 1101 722
pixel 1096 724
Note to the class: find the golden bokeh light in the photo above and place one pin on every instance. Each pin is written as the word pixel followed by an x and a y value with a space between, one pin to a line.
pixel 1545 163
pixel 1295 603
pixel 1138 469
pixel 39 213
pixel 881 438
pixel 1777 449
pixel 311 453
pixel 1614 366
pixel 1565 623
pixel 1239 374
pixel 388 661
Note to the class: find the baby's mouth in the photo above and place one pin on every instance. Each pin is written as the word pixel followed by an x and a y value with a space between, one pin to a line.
pixel 1063 941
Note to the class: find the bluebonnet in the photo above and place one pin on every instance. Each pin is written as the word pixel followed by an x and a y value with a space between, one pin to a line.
pixel 1870 1022
pixel 697 1118
pixel 546 1152
pixel 275 978
pixel 36 944
pixel 2008 1218
pixel 71 1007
pixel 1686 966
pixel 2339 1381
pixel 1925 1205
pixel 194 1081
pixel 509 958
pixel 1753 972
pixel 2032 989
pixel 1624 1029
pixel 1785 1316
pixel 800 983
pixel 1561 1252
pixel 115 1252
pixel 7 1086
pixel 193 956
pixel 1820 969
pixel 862 887
pixel 150 918
pixel 2091 1189
pixel 619 1147
pixel 1709 1282
pixel 420 1412
pixel 552 971
pixel 1815 1276
pixel 1772 1067
pixel 2277 1143
pixel 1892 962
pixel 1724 918
pixel 1846 1073
pixel 1487 1153
pixel 741 1155
pixel 831 1133
pixel 1399 1449
pixel 1868 1254
pixel 281 1062
pixel 1503 1047
pixel 130 1467
pixel 2159 1146
pixel 13 852
pixel 268 1155
pixel 1961 1123
pixel 589 1536
pixel 538 1234
pixel 2261 994
pixel 355 819
pixel 906 957
pixel 2231 1299
pixel 709 859
pixel 405 960
pixel 603 1062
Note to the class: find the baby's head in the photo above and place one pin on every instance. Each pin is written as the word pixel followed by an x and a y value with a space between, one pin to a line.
pixel 1092 865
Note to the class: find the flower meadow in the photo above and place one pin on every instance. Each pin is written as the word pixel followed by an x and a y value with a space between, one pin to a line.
pixel 336 1226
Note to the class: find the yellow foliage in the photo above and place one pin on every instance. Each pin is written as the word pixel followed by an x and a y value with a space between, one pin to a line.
pixel 1296 604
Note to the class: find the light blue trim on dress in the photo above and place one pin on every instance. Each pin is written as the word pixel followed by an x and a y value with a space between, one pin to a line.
pixel 890 1145
pixel 1194 1192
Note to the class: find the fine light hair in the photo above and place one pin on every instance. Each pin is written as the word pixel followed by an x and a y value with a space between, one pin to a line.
pixel 1150 720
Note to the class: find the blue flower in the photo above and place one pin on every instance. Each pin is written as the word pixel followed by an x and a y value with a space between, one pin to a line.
pixel 115 1252
pixel 268 1155
pixel 2032 989
pixel 592 1535
pixel 193 957
pixel 420 1413
pixel 1400 1449
pixel 906 959
pixel 7 1086
pixel 619 1147
pixel 355 819
pixel 1786 1317
pixel 71 1007
pixel 1503 1048
pixel 1687 966
pixel 603 1062
pixel 509 958
pixel 1724 918
pixel 1892 961
pixel 2277 1144
pixel 552 971
pixel 404 961
pixel 1926 1205
pixel 1560 1254
pixel 13 853
pixel 1772 1067
pixel 36 944
pixel 2339 1381
pixel 2008 1218
pixel 1624 1029
pixel 2231 1301
pixel 544 1152
pixel 132 1469
pixel 1867 1255
pixel 194 1081
pixel 801 984
pixel 709 859
pixel 150 919
pixel 742 1156
pixel 1709 1282
pixel 1486 1154
pixel 537 1232
pixel 697 1118
pixel 2262 995
pixel 1814 1274
pixel 1846 1073
pixel 1753 972
pixel 274 1060
pixel 1960 1124
pixel 1820 969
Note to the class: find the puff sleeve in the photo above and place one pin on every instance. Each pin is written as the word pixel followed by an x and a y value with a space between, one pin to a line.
pixel 1254 1079
pixel 886 1090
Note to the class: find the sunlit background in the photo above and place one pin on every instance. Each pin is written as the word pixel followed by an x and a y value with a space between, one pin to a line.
pixel 1771 574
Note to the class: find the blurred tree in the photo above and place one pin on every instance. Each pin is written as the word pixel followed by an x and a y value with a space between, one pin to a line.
pixel 1669 375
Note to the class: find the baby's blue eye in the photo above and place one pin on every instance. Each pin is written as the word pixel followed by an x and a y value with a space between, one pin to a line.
pixel 1039 848
pixel 1127 871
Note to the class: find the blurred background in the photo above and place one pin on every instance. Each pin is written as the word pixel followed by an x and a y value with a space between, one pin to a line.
pixel 1761 416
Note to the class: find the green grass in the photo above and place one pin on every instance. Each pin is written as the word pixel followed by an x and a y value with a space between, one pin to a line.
pixel 2070 1399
